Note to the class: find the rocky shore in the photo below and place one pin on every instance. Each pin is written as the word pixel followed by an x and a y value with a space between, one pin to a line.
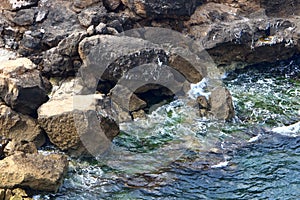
pixel 52 90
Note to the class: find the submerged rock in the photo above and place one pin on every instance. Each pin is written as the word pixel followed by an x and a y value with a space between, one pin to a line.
pixel 34 171
pixel 21 86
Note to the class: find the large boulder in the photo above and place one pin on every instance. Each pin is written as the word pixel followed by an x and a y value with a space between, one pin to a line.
pixel 18 127
pixel 34 171
pixel 162 8
pixel 72 122
pixel 221 105
pixel 21 86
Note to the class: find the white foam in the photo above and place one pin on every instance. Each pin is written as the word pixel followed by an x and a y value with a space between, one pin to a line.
pixel 253 139
pixel 220 165
pixel 198 89
pixel 291 130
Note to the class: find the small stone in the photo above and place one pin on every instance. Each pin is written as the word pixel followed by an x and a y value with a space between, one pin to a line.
pixel 202 101
pixel 20 192
pixel 41 15
pixel 101 28
pixel 139 114
pixel 90 30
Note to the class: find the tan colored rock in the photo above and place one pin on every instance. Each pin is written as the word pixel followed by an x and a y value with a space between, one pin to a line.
pixel 221 103
pixel 38 172
pixel 2 194
pixel 186 68
pixel 22 86
pixel 72 122
pixel 20 128
pixel 26 147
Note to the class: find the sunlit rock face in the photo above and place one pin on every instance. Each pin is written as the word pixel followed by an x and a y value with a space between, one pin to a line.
pixel 33 171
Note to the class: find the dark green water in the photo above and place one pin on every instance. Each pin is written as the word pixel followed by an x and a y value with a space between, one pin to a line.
pixel 177 155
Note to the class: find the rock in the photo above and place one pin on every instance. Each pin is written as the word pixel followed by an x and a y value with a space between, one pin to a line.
pixel 281 8
pixel 101 28
pixel 34 171
pixel 83 4
pixel 20 128
pixel 16 4
pixel 186 68
pixel 19 193
pixel 162 9
pixel 139 114
pixel 24 17
pixel 61 21
pixel 61 60
pixel 203 103
pixel 15 146
pixel 112 4
pixel 2 194
pixel 70 121
pixel 21 86
pixel 90 30
pixel 93 15
pixel 221 104
pixel 8 194
pixel 246 38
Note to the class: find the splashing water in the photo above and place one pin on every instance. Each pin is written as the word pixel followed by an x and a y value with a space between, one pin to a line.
pixel 175 154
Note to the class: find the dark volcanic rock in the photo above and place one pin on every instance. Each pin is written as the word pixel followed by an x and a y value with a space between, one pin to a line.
pixel 21 86
pixel 63 60
pixel 163 8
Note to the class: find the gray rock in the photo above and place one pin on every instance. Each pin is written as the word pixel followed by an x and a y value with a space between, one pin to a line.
pixel 221 104
pixel 112 4
pixel 24 17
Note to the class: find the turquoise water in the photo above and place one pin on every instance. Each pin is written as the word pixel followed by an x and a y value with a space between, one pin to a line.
pixel 176 155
